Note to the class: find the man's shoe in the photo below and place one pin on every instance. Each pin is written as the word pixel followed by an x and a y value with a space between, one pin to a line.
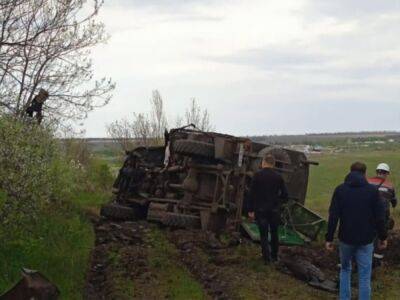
pixel 275 258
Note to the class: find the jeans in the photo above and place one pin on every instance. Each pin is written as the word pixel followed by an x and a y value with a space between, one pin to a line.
pixel 363 257
pixel 268 222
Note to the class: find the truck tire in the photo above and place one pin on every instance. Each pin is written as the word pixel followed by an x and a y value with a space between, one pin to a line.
pixel 181 221
pixel 195 148
pixel 119 212
pixel 280 155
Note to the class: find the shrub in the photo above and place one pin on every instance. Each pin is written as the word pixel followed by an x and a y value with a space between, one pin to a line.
pixel 99 175
pixel 33 172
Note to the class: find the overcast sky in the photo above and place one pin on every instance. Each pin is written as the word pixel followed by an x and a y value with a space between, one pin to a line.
pixel 259 67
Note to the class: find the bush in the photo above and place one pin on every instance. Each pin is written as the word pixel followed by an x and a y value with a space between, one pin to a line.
pixel 37 171
pixel 43 188
pixel 32 173
pixel 99 175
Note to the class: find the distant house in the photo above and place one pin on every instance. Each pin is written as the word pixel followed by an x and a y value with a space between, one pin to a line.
pixel 301 148
pixel 317 148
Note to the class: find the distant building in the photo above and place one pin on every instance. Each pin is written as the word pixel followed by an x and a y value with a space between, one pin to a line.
pixel 317 148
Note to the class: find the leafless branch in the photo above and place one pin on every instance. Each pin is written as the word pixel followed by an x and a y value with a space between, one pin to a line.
pixel 46 44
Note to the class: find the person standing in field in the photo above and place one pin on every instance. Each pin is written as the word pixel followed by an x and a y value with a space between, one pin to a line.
pixel 357 207
pixel 267 192
pixel 386 191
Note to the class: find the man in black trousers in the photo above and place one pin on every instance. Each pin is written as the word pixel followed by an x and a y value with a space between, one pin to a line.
pixel 267 193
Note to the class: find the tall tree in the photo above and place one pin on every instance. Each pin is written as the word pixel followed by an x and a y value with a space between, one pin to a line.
pixel 158 117
pixel 148 129
pixel 46 44
pixel 122 133
pixel 142 129
pixel 198 116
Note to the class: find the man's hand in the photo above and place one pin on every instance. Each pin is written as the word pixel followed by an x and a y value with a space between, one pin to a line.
pixel 382 244
pixel 251 215
pixel 329 246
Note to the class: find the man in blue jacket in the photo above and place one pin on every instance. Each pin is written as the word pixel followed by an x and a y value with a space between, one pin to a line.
pixel 357 207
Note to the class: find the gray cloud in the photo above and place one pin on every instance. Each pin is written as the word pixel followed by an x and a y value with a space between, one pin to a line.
pixel 366 51
pixel 273 58
pixel 163 5
pixel 383 69
pixel 352 8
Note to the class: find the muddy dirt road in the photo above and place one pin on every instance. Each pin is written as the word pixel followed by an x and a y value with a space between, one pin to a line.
pixel 139 260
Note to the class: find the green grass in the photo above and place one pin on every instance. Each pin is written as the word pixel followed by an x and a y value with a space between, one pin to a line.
pixel 330 173
pixel 265 282
pixel 167 279
pixel 174 280
pixel 334 167
pixel 386 283
pixel 58 245
pixel 123 286
pixel 86 200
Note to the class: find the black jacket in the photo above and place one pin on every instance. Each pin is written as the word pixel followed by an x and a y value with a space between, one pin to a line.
pixel 267 191
pixel 356 205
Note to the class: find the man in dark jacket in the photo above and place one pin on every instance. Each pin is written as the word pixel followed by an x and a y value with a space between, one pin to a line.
pixel 267 193
pixel 37 105
pixel 356 205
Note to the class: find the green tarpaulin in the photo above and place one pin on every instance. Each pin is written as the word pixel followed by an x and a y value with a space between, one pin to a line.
pixel 287 236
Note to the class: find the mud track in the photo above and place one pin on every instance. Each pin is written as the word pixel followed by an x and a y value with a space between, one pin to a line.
pixel 207 259
pixel 121 263
pixel 132 241
pixel 120 253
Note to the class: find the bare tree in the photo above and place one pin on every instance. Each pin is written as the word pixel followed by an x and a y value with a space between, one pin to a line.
pixel 143 129
pixel 148 129
pixel 158 118
pixel 46 44
pixel 197 116
pixel 122 134
pixel 178 121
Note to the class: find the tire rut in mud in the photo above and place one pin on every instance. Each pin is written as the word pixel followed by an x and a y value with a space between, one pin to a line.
pixel 122 252
pixel 204 257
pixel 118 258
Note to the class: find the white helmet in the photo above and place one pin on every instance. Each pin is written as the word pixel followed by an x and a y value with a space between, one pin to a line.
pixel 383 167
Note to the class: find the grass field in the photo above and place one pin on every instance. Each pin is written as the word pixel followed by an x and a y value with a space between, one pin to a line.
pixel 334 167
pixel 330 173
pixel 58 245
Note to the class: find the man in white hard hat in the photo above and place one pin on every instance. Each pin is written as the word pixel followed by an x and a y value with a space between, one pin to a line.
pixel 386 190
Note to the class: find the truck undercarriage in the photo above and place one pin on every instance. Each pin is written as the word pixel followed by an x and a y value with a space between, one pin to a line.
pixel 201 180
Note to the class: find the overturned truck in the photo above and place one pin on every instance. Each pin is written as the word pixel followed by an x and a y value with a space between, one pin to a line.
pixel 201 180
